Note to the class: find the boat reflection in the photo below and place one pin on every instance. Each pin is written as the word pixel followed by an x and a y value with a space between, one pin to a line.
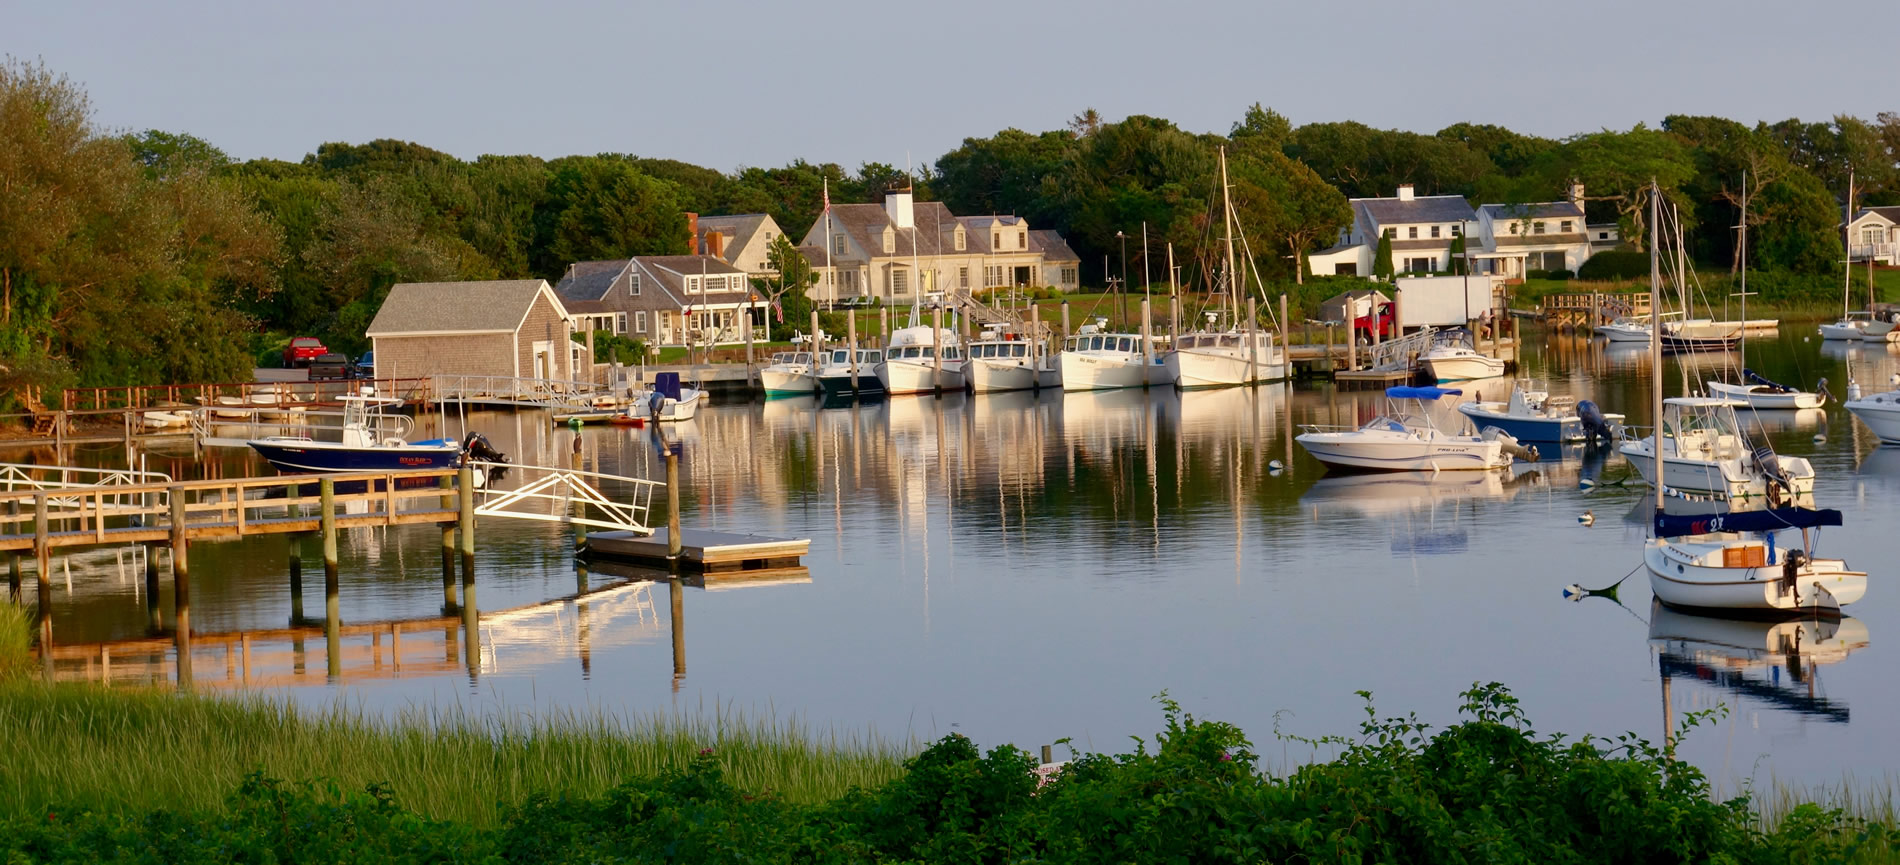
pixel 1388 493
pixel 1776 663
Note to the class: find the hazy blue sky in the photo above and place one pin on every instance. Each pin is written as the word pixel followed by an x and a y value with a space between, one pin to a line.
pixel 726 84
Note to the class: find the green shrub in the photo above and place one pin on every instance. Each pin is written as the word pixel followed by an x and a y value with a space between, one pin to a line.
pixel 1615 264
pixel 1486 789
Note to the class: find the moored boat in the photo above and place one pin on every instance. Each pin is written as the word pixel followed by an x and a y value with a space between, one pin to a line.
pixel 1452 358
pixel 912 365
pixel 1732 563
pixel 1094 360
pixel 1532 414
pixel 1705 451
pixel 789 374
pixel 836 378
pixel 1881 413
pixel 1406 438
pixel 361 447
pixel 1000 360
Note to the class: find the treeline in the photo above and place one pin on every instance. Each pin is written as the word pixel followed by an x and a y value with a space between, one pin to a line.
pixel 157 257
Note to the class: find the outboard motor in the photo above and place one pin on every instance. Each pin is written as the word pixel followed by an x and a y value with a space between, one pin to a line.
pixel 477 447
pixel 1595 425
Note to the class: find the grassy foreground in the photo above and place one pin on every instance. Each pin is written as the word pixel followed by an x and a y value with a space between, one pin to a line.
pixel 107 777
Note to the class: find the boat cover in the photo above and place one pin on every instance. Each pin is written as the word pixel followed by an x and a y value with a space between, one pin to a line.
pixel 1772 519
pixel 1421 392
pixel 667 383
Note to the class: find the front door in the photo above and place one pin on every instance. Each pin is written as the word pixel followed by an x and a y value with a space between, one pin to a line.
pixel 543 359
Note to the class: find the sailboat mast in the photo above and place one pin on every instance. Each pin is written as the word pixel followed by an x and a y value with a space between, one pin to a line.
pixel 1655 334
pixel 1742 344
pixel 1847 246
pixel 1227 214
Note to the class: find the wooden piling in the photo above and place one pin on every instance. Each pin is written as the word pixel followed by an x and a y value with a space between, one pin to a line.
pixel 851 339
pixel 326 520
pixel 151 587
pixel 1065 321
pixel 884 322
pixel 181 585
pixel 1038 349
pixel 936 351
pixel 676 593
pixel 447 503
pixel 1253 340
pixel 580 505
pixel 1285 323
pixel 43 553
pixel 465 493
pixel 1147 339
pixel 673 542
pixel 13 558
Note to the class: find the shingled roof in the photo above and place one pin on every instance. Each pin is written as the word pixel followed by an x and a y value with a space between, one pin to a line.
pixel 591 280
pixel 738 230
pixel 1052 246
pixel 1425 208
pixel 1539 210
pixel 494 306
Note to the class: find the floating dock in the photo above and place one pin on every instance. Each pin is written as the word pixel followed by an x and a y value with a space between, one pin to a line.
pixel 701 549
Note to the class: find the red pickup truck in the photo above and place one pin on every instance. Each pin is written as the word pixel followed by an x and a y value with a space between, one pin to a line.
pixel 302 350
pixel 1362 326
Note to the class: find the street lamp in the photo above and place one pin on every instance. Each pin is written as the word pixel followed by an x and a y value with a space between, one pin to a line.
pixel 1123 303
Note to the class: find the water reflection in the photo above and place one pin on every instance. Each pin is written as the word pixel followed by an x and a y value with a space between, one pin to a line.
pixel 1775 664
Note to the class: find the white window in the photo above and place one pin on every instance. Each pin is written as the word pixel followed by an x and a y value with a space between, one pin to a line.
pixel 963 272
pixel 1411 232
pixel 900 281
pixel 620 322
pixel 1457 230
pixel 890 241
pixel 1392 234
pixel 692 285
pixel 1873 234
pixel 1537 227
pixel 633 285
pixel 1434 231
pixel 1564 226
pixel 1068 276
pixel 996 240
pixel 961 239
pixel 640 321
pixel 1022 239
pixel 837 244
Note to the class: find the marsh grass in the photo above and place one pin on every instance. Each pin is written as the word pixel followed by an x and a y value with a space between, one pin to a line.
pixel 84 747
pixel 16 653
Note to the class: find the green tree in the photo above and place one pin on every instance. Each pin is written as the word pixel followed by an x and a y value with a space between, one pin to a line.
pixel 1269 126
pixel 601 207
pixel 369 238
pixel 1382 259
pixel 790 292
pixel 1283 201
pixel 165 154
pixel 1616 169
pixel 1009 172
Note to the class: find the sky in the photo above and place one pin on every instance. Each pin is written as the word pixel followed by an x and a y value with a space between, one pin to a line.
pixel 729 83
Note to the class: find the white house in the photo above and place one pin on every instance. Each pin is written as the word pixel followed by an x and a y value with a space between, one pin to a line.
pixel 1421 228
pixel 663 299
pixel 742 241
pixel 1514 239
pixel 1872 234
pixel 902 249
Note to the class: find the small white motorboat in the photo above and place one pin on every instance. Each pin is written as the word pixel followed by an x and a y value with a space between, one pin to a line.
pixel 1407 438
pixel 1705 452
pixel 667 401
pixel 167 419
pixel 1626 329
pixel 789 374
pixel 1452 358
pixel 1881 413
pixel 1730 563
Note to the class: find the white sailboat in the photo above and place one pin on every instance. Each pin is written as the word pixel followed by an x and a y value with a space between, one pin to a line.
pixel 1729 562
pixel 1233 355
pixel 1755 391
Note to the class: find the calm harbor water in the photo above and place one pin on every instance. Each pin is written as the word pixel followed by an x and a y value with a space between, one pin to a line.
pixel 1022 567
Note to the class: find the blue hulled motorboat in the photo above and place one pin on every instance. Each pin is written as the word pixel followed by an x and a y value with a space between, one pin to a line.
pixel 1531 414
pixel 360 448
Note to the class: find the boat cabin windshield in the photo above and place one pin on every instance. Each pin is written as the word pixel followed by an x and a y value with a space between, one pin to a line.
pixel 1229 340
pixel 982 350
pixel 923 352
pixel 1704 428
pixel 1105 342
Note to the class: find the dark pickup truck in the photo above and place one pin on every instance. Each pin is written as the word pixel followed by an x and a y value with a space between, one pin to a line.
pixel 330 367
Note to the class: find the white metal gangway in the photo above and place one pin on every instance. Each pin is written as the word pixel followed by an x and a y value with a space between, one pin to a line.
pixel 81 484
pixel 559 495
pixel 563 394
pixel 1397 354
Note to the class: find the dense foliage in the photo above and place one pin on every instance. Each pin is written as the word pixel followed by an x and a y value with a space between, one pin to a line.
pixel 1486 789
pixel 155 256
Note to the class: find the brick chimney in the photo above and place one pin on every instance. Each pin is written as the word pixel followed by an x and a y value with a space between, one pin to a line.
pixel 1405 192
pixel 692 233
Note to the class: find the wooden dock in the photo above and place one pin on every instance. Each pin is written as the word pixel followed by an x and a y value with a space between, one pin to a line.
pixel 701 549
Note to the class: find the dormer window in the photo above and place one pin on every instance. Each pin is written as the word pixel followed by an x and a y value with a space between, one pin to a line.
pixel 1434 231
pixel 961 238
pixel 1565 226
pixel 1411 232
pixel 996 240
pixel 1537 227
pixel 837 244
pixel 890 241
pixel 1022 239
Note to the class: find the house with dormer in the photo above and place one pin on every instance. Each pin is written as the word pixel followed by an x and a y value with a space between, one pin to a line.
pixel 666 300
pixel 1873 234
pixel 902 250
pixel 1514 240
pixel 1421 229
pixel 743 241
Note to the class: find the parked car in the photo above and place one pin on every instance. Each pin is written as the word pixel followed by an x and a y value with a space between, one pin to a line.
pixel 330 366
pixel 366 365
pixel 302 350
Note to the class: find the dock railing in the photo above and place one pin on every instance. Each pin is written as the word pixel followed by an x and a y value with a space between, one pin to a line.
pixel 548 392
pixel 256 394
pixel 1397 353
